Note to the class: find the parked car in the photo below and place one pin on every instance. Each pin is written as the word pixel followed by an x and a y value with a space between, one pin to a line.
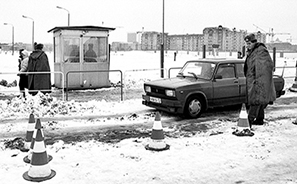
pixel 202 84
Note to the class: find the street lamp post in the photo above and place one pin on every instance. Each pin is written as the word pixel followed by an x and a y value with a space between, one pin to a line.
pixel 12 47
pixel 162 45
pixel 59 7
pixel 32 30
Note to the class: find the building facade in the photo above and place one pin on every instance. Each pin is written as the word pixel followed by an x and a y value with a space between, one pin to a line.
pixel 152 40
pixel 214 38
pixel 223 38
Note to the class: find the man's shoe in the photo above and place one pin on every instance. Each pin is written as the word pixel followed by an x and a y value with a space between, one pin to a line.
pixel 258 122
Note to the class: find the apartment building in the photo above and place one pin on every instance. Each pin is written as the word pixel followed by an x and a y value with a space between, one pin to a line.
pixel 223 38
pixel 188 42
pixel 219 38
pixel 152 40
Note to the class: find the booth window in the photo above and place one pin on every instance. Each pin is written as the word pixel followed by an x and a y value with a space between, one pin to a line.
pixel 71 50
pixel 57 54
pixel 94 49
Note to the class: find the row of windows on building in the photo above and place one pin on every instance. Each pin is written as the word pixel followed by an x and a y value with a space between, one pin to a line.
pixel 219 37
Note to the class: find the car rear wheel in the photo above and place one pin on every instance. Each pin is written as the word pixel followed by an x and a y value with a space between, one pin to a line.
pixel 194 107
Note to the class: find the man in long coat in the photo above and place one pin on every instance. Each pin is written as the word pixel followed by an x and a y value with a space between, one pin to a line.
pixel 258 70
pixel 38 62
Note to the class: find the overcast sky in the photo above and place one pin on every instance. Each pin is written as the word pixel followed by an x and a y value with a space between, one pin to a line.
pixel 181 16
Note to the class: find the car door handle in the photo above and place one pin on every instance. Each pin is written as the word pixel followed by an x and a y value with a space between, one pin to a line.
pixel 235 81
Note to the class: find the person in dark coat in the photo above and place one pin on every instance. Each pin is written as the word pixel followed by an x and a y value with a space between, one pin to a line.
pixel 38 62
pixel 90 55
pixel 258 69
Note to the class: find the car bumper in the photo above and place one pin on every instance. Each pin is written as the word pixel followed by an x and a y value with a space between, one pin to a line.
pixel 279 94
pixel 166 105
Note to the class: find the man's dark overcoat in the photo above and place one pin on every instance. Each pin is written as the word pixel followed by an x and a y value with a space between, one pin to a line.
pixel 259 76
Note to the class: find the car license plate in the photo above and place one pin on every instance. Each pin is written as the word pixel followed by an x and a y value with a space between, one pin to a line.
pixel 155 100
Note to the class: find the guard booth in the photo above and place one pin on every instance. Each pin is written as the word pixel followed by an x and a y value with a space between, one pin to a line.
pixel 81 48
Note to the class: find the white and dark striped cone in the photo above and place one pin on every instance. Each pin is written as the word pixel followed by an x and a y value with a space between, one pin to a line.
pixel 39 169
pixel 30 131
pixel 27 159
pixel 243 122
pixel 157 142
pixel 295 122
pixel 294 86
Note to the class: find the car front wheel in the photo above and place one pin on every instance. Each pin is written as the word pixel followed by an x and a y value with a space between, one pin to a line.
pixel 194 107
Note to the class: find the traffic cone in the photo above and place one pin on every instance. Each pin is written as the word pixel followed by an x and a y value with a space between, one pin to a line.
pixel 295 122
pixel 243 126
pixel 27 159
pixel 157 142
pixel 29 133
pixel 39 169
pixel 294 86
pixel 243 122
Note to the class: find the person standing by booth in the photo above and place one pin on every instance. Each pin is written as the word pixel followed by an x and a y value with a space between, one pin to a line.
pixel 38 62
pixel 23 65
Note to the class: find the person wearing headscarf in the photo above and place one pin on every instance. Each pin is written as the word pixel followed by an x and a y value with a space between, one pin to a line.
pixel 23 65
pixel 38 62
pixel 258 69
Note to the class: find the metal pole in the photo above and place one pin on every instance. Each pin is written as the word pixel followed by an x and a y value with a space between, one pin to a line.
pixel 68 19
pixel 12 40
pixel 162 45
pixel 203 51
pixel 274 57
pixel 59 7
pixel 33 35
pixel 32 30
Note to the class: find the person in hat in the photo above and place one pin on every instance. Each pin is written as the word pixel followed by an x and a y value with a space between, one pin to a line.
pixel 38 62
pixel 23 65
pixel 239 55
pixel 90 55
pixel 258 70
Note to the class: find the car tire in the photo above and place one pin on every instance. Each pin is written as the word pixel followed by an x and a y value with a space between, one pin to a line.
pixel 194 107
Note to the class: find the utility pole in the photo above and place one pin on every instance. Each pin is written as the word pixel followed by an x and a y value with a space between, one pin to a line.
pixel 12 40
pixel 59 7
pixel 26 17
pixel 162 45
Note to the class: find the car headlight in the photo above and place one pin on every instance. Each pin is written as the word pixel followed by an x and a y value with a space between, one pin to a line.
pixel 170 92
pixel 147 89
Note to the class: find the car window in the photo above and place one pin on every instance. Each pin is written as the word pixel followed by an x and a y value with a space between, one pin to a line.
pixel 226 71
pixel 239 68
pixel 202 70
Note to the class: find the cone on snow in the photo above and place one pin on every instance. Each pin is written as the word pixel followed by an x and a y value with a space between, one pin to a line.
pixel 157 142
pixel 27 159
pixel 295 122
pixel 30 131
pixel 294 86
pixel 243 122
pixel 39 169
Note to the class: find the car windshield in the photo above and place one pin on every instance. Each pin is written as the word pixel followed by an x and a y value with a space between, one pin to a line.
pixel 203 70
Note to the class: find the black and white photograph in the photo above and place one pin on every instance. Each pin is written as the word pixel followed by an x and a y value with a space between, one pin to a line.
pixel 148 91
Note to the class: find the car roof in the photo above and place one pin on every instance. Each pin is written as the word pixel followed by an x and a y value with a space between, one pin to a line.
pixel 219 60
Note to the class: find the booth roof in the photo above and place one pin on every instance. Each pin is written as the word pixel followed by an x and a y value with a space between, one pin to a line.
pixel 88 28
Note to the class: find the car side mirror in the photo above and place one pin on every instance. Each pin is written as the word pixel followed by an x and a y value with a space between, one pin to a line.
pixel 218 76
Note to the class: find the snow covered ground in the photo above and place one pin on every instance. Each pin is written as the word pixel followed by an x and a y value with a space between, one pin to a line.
pixel 211 156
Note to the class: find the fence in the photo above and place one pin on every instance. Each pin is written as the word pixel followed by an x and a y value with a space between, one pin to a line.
pixel 143 75
pixel 29 73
